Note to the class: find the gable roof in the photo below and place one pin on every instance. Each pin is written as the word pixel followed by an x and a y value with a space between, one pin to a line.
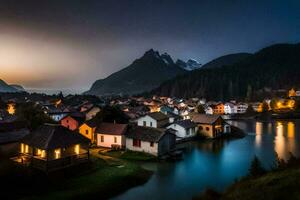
pixel 186 123
pixel 92 122
pixel 79 117
pixel 158 116
pixel 204 118
pixel 146 133
pixel 111 129
pixel 52 136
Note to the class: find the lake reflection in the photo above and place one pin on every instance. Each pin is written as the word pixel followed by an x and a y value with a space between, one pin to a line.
pixel 218 163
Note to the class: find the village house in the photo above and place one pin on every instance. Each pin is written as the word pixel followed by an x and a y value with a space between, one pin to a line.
pixel 208 110
pixel 184 128
pixel 52 147
pixel 73 121
pixel 92 112
pixel 210 126
pixel 242 108
pixel 88 128
pixel 150 140
pixel 230 108
pixel 218 109
pixel 11 132
pixel 155 120
pixel 111 135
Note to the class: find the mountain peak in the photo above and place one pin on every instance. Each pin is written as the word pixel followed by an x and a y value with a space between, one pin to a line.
pixel 151 53
pixel 190 65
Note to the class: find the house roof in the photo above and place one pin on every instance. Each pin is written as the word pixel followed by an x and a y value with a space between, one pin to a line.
pixel 52 136
pixel 111 129
pixel 159 116
pixel 79 117
pixel 146 133
pixel 186 123
pixel 92 122
pixel 13 136
pixel 204 119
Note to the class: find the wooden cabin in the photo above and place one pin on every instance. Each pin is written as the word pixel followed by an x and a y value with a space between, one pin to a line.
pixel 52 147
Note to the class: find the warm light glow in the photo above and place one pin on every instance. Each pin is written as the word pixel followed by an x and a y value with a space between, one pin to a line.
pixel 291 129
pixel 11 109
pixel 77 149
pixel 22 148
pixel 41 153
pixel 258 133
pixel 57 153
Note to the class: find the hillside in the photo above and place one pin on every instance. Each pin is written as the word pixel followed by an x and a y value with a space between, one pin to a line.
pixel 272 68
pixel 229 59
pixel 144 74
pixel 4 87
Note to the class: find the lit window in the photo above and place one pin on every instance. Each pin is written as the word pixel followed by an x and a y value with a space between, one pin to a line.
pixel 57 153
pixel 77 149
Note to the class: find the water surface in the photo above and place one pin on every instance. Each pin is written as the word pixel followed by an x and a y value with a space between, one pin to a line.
pixel 216 164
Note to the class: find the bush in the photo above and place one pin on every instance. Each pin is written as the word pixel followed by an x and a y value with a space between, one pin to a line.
pixel 256 168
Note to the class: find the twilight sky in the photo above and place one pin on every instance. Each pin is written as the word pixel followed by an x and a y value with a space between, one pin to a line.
pixel 71 43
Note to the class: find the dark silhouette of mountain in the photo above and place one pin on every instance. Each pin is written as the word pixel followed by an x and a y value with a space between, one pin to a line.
pixel 144 74
pixel 18 87
pixel 272 68
pixel 229 59
pixel 4 87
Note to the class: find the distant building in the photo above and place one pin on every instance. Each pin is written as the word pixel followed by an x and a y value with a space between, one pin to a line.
pixel 218 109
pixel 242 107
pixel 155 120
pixel 73 121
pixel 211 126
pixel 230 108
pixel 184 128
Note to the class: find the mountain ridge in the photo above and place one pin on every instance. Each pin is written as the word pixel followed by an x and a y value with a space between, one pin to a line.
pixel 143 74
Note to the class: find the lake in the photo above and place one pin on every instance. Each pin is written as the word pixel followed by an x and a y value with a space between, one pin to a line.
pixel 217 164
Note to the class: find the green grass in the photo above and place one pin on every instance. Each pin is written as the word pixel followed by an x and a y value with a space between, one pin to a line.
pixel 273 185
pixel 103 178
pixel 131 155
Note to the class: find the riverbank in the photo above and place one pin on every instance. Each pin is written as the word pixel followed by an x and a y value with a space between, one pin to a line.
pixel 271 186
pixel 102 178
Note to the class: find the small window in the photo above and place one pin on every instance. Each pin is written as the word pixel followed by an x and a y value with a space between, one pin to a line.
pixel 207 128
pixel 136 143
pixel 200 128
pixel 115 139
pixel 67 121
pixel 144 123
pixel 86 132
pixel 102 138
pixel 151 144
pixel 150 124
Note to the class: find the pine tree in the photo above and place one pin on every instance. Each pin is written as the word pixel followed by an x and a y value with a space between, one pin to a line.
pixel 256 168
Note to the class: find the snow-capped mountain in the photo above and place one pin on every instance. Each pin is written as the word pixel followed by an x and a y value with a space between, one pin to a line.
pixel 190 65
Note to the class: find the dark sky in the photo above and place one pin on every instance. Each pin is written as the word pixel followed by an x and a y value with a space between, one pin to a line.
pixel 70 44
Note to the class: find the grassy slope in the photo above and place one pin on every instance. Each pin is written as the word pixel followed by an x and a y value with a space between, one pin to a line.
pixel 273 185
